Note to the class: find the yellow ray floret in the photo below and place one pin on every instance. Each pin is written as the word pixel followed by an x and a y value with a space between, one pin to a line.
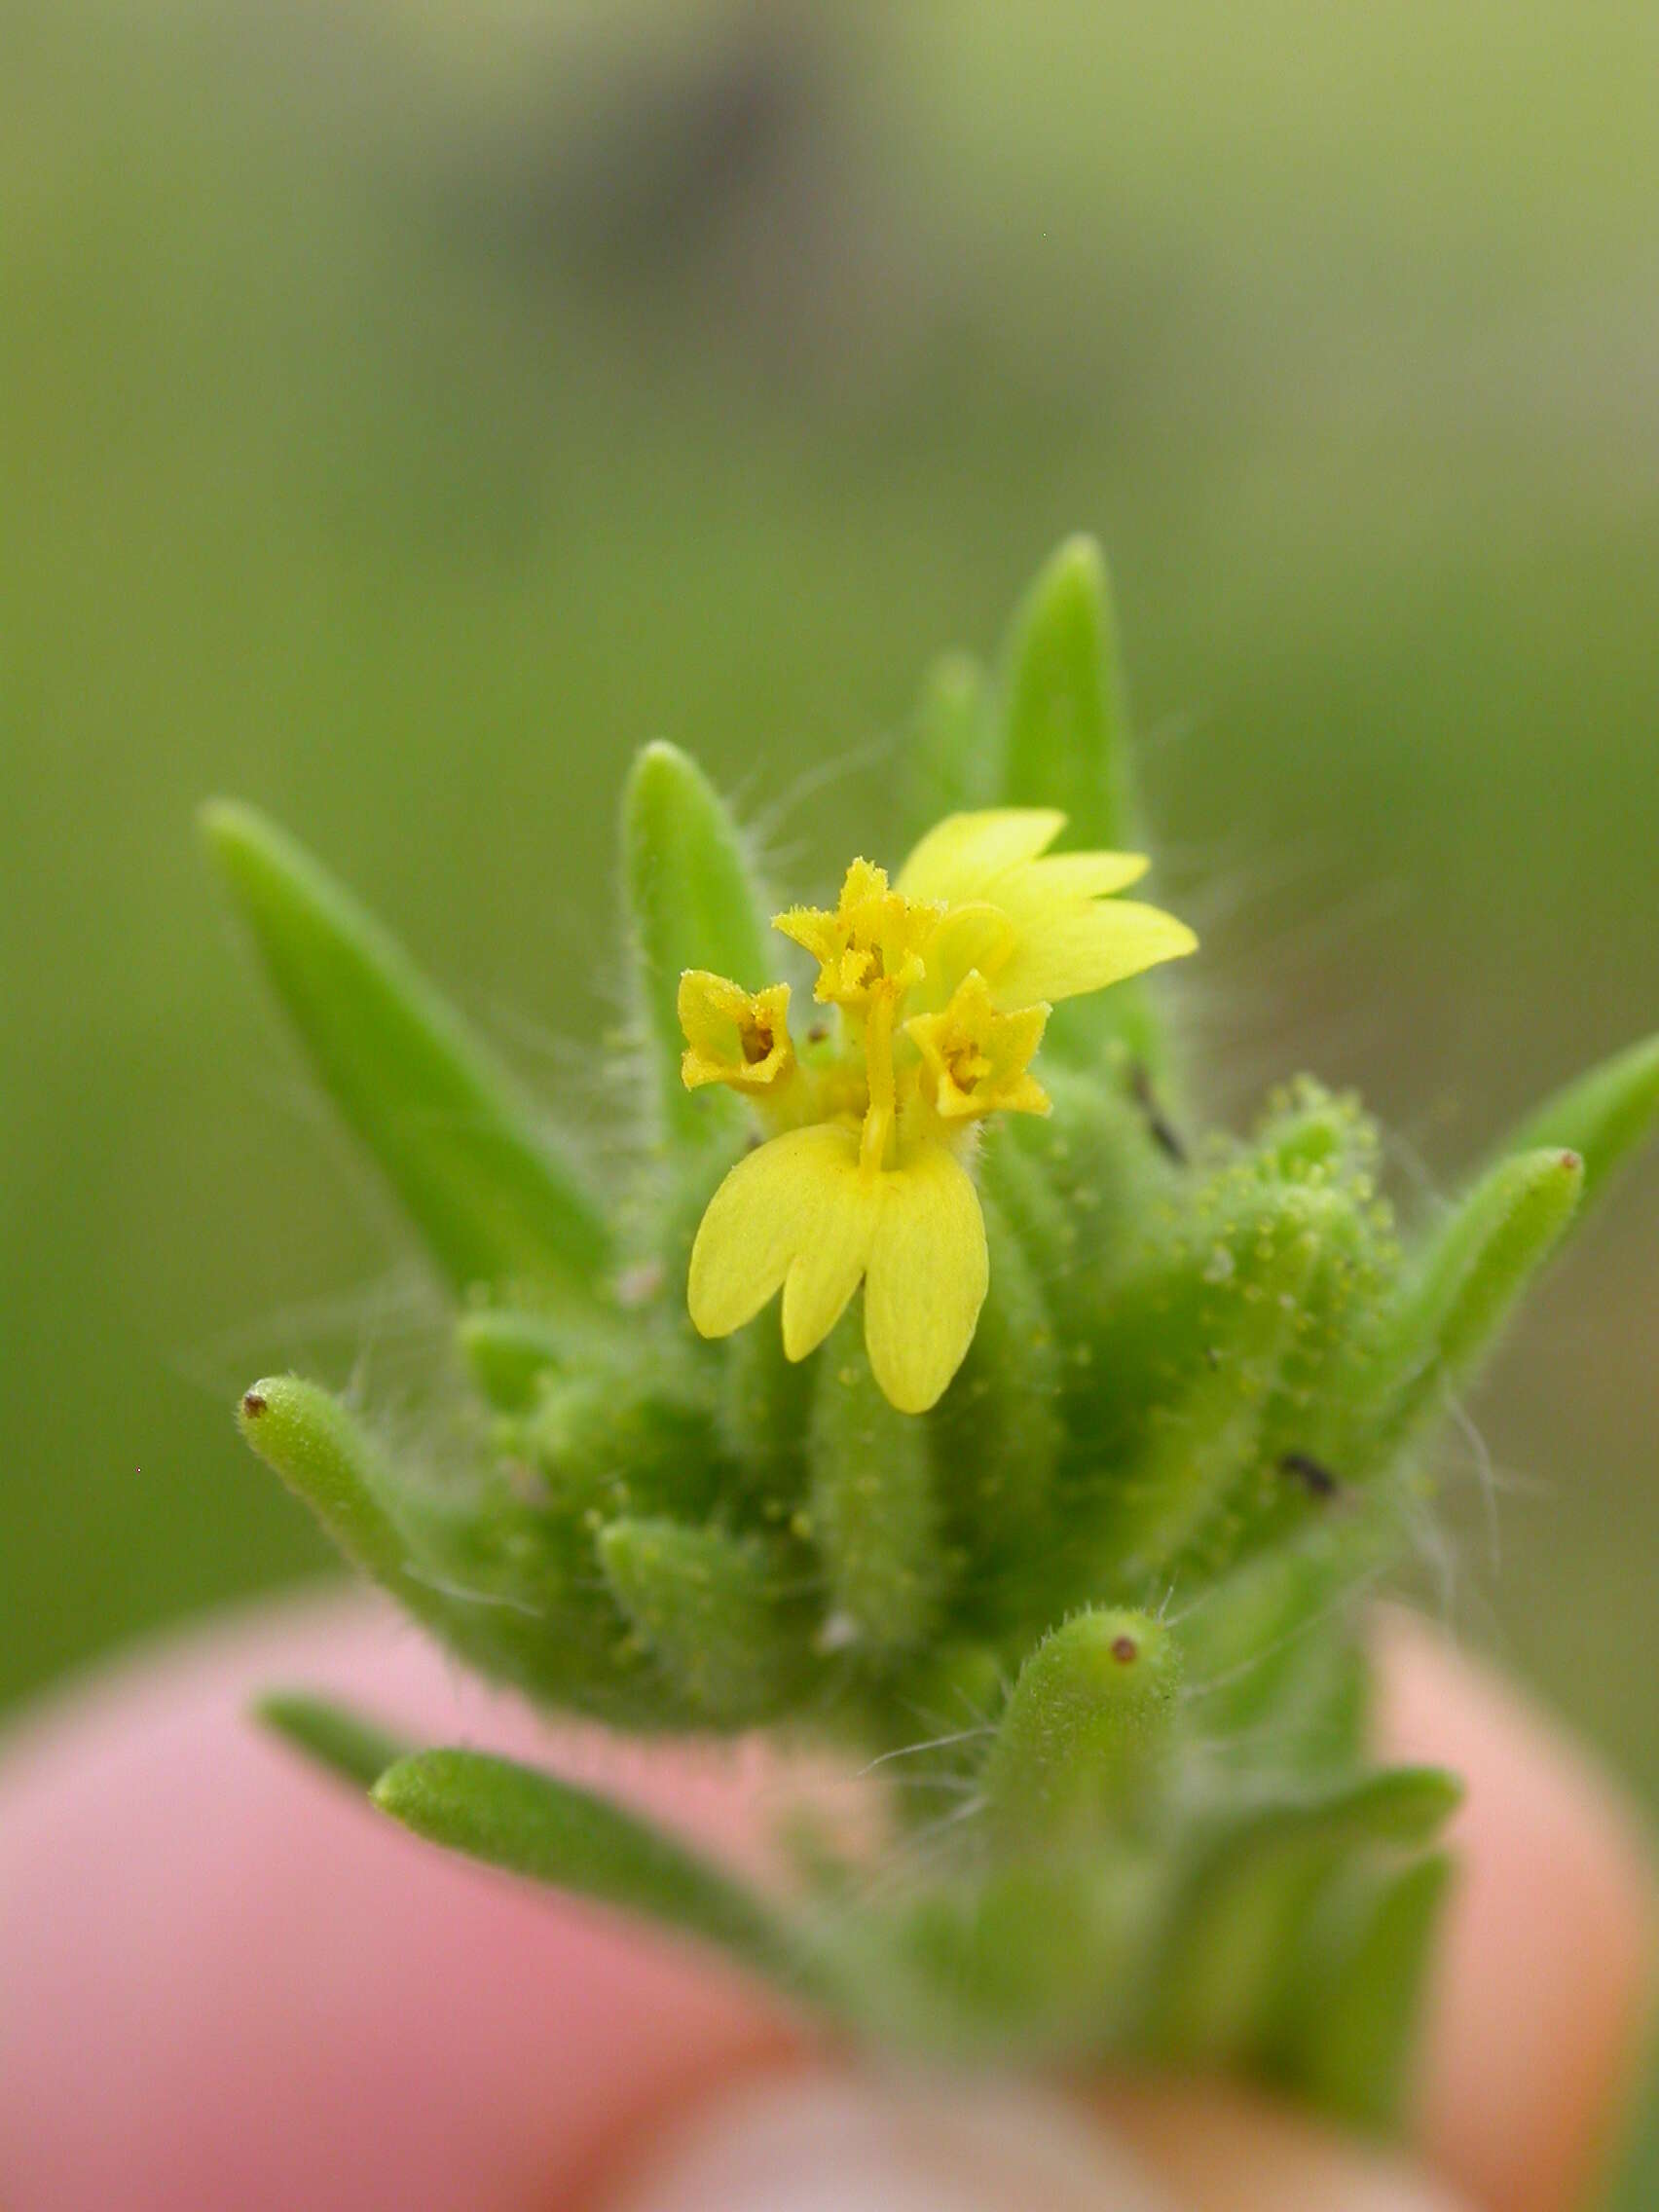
pixel 734 1036
pixel 805 1215
pixel 940 983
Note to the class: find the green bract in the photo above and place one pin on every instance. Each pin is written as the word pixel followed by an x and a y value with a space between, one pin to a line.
pixel 1093 1624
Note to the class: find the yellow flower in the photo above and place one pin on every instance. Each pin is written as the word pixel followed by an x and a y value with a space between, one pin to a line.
pixel 976 1059
pixel 873 940
pixel 734 1036
pixel 942 985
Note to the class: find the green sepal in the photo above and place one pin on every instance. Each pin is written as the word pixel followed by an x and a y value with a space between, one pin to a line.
pixel 872 1511
pixel 1100 1178
pixel 1083 1745
pixel 1466 1284
pixel 1603 1117
pixel 691 904
pixel 532 1824
pixel 1354 2013
pixel 707 1607
pixel 951 769
pixel 343 1742
pixel 454 1133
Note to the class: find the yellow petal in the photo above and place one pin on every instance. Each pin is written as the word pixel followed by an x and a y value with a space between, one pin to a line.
pixel 763 1215
pixel 829 1266
pixel 1086 948
pixel 962 855
pixel 972 937
pixel 1069 876
pixel 927 1277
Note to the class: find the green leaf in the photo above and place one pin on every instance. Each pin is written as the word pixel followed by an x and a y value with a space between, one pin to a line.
pixel 1252 1291
pixel 308 1438
pixel 692 905
pixel 1468 1282
pixel 764 1410
pixel 1603 1117
pixel 1358 2015
pixel 1266 1658
pixel 355 1750
pixel 1219 1983
pixel 872 1506
pixel 950 768
pixel 532 1824
pixel 1405 1806
pixel 1066 744
pixel 1081 1746
pixel 997 1435
pixel 614 1441
pixel 507 1352
pixel 1063 714
pixel 704 1604
pixel 394 1535
pixel 455 1136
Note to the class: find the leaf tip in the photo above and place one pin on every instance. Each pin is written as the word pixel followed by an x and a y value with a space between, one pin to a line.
pixel 229 828
pixel 1079 560
pixel 254 1406
pixel 659 768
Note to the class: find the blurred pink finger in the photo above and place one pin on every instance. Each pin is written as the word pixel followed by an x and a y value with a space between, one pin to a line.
pixel 1547 1980
pixel 222 1983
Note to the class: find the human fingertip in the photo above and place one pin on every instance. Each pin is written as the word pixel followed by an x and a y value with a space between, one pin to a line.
pixel 822 2142
pixel 1219 2148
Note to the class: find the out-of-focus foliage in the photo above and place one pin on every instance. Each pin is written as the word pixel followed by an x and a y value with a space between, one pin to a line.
pixel 408 409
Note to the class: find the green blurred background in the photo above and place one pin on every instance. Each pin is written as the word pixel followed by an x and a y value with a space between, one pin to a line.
pixel 408 409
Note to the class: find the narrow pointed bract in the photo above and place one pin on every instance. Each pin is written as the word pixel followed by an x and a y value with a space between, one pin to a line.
pixel 484 1182
pixel 690 904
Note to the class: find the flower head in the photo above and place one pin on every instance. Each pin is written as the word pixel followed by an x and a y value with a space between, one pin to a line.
pixel 941 983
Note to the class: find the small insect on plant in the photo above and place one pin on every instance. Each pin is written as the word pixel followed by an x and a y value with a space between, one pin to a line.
pixel 917 1351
